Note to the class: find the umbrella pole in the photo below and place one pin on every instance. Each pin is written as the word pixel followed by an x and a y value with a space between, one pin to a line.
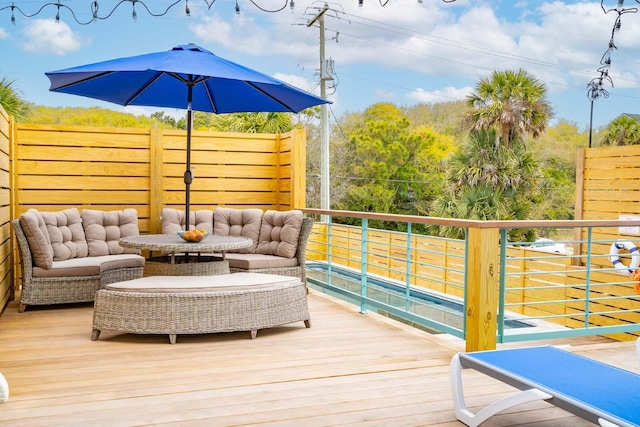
pixel 188 176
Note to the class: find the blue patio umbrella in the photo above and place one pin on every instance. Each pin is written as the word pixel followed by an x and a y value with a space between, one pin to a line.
pixel 186 77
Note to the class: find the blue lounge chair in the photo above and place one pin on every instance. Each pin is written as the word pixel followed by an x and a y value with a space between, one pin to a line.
pixel 600 393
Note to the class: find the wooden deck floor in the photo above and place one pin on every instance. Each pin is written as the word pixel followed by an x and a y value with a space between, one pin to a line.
pixel 348 369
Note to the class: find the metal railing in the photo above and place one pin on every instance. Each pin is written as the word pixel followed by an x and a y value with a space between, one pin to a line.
pixel 484 288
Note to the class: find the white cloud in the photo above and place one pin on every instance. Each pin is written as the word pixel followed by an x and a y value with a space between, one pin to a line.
pixel 3 34
pixel 241 33
pixel 299 82
pixel 442 95
pixel 48 36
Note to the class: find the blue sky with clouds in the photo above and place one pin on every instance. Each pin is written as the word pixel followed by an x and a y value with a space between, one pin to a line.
pixel 405 52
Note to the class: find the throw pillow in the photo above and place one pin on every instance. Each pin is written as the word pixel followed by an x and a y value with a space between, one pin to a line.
pixel 104 229
pixel 238 222
pixel 279 233
pixel 66 234
pixel 38 238
pixel 173 220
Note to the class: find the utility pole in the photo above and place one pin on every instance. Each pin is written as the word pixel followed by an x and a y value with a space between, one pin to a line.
pixel 324 117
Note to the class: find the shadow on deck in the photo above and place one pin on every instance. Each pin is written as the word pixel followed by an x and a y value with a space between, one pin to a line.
pixel 348 369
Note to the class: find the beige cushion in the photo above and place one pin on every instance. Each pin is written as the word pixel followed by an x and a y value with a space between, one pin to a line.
pixel 219 283
pixel 66 234
pixel 37 235
pixel 89 266
pixel 258 261
pixel 238 222
pixel 103 229
pixel 279 233
pixel 173 220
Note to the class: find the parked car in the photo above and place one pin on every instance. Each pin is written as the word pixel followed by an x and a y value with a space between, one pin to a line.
pixel 548 245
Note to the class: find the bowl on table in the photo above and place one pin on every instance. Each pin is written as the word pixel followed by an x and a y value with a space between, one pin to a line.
pixel 193 235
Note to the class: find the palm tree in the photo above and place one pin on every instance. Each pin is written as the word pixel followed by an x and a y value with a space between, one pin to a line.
pixel 12 102
pixel 488 181
pixel 622 131
pixel 512 102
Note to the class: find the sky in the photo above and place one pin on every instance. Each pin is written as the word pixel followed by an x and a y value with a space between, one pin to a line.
pixel 400 51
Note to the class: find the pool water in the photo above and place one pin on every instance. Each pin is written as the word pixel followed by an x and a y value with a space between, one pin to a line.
pixel 422 302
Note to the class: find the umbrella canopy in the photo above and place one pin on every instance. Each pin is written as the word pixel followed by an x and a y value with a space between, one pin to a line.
pixel 186 77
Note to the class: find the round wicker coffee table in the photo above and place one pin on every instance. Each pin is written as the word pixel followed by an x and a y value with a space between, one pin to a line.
pixel 185 258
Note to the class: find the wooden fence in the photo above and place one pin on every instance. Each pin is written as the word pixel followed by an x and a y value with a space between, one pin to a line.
pixel 6 260
pixel 106 168
pixel 607 187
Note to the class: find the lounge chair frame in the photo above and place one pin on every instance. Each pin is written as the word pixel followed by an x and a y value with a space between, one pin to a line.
pixel 537 363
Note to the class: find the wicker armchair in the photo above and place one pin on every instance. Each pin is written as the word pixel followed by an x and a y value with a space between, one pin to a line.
pixel 63 289
pixel 301 254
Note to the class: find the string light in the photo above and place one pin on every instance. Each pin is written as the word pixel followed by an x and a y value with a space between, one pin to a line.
pixel 95 16
pixel 595 88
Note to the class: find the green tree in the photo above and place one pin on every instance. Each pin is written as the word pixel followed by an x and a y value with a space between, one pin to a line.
pixel 622 131
pixel 444 117
pixel 93 116
pixel 162 117
pixel 244 122
pixel 556 150
pixel 12 102
pixel 390 166
pixel 488 181
pixel 512 102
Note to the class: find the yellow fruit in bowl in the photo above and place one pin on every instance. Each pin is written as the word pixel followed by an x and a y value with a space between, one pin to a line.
pixel 193 235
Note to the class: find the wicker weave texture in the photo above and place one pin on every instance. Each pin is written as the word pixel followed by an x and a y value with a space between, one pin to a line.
pixel 201 312
pixel 62 290
pixel 301 254
pixel 198 266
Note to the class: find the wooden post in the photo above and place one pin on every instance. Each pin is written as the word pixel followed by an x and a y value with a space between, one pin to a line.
pixel 482 284
pixel 156 186
pixel 579 205
pixel 298 169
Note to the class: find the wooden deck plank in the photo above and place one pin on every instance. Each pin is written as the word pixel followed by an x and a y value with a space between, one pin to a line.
pixel 348 369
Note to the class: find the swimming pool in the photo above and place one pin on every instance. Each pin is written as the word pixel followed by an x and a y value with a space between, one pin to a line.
pixel 441 313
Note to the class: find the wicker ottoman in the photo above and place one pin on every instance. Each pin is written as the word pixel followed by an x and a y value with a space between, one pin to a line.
pixel 200 304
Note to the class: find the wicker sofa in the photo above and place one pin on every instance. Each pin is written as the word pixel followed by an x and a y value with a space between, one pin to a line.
pixel 280 237
pixel 66 257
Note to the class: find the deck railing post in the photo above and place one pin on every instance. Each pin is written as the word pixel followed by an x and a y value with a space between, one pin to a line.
pixel 329 247
pixel 409 261
pixel 363 263
pixel 481 293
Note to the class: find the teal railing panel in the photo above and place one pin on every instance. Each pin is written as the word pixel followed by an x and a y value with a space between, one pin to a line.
pixel 421 280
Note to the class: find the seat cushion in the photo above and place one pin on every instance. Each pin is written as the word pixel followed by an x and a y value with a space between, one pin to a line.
pixel 257 261
pixel 279 233
pixel 219 283
pixel 238 222
pixel 66 234
pixel 38 238
pixel 89 266
pixel 103 230
pixel 173 220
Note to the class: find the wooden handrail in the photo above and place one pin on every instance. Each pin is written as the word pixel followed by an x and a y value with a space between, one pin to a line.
pixel 470 223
